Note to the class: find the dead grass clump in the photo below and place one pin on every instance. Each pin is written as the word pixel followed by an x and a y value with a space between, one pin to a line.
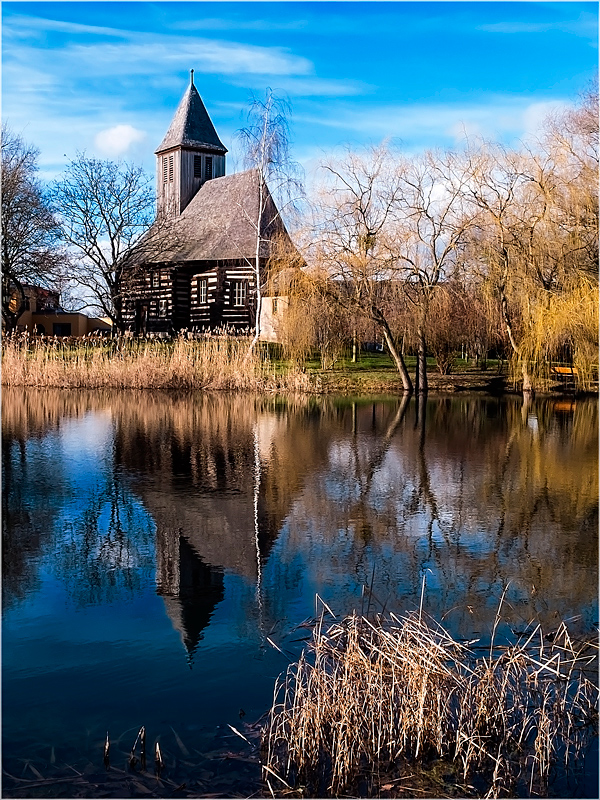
pixel 216 362
pixel 369 698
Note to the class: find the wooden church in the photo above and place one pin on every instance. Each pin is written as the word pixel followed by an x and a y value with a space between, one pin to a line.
pixel 198 270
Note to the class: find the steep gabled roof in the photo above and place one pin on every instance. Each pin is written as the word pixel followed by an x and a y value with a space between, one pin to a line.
pixel 220 222
pixel 191 126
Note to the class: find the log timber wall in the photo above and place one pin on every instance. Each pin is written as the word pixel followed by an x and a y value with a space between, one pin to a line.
pixel 200 295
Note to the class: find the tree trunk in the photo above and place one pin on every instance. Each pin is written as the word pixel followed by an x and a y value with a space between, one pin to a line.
pixel 11 316
pixel 421 375
pixel 10 323
pixel 256 336
pixel 117 316
pixel 417 376
pixel 528 388
pixel 398 359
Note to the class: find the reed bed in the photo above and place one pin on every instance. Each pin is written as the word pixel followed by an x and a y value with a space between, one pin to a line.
pixel 369 701
pixel 216 362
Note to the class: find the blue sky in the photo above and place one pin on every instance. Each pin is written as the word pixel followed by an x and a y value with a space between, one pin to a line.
pixel 105 78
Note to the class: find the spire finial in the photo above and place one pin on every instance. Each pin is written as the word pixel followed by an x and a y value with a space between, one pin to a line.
pixel 192 76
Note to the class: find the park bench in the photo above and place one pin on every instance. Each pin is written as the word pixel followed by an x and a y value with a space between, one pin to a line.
pixel 569 374
pixel 565 372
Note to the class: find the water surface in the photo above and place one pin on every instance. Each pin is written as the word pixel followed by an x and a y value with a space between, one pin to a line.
pixel 153 543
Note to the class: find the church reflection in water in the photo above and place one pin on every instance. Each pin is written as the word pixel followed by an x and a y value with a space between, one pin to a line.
pixel 190 588
pixel 218 480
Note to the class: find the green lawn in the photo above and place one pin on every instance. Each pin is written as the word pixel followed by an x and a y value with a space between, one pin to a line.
pixel 377 373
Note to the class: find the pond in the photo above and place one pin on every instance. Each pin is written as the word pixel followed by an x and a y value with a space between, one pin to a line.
pixel 156 546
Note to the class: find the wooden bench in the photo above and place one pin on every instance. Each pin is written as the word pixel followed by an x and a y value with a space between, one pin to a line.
pixel 565 372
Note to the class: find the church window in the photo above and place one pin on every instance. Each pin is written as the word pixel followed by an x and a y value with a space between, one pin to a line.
pixel 155 280
pixel 240 292
pixel 197 166
pixel 203 291
pixel 162 308
pixel 274 305
pixel 170 169
pixel 208 168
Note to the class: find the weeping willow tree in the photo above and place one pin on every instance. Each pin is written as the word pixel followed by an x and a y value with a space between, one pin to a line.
pixel 295 293
pixel 536 241
pixel 309 321
pixel 571 317
pixel 565 326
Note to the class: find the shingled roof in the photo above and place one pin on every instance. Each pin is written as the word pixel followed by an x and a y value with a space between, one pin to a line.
pixel 220 222
pixel 191 126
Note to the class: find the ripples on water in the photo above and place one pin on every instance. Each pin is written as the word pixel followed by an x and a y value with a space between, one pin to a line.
pixel 151 543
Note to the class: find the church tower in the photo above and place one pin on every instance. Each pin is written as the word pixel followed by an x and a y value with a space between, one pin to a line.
pixel 190 154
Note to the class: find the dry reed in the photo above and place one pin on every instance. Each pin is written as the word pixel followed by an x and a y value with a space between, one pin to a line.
pixel 217 362
pixel 370 698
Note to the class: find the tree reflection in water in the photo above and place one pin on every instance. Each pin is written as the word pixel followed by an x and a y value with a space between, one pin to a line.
pixel 479 491
pixel 482 492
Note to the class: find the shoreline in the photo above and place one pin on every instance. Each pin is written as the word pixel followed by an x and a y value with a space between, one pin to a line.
pixel 328 383
pixel 226 364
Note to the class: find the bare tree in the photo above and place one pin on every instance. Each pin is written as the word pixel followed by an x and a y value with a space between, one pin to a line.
pixel 444 336
pixel 355 245
pixel 266 144
pixel 105 209
pixel 431 224
pixel 31 252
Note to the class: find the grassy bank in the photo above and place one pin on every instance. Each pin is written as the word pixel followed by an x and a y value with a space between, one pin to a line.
pixel 212 362
pixel 396 707
pixel 224 363
pixel 376 373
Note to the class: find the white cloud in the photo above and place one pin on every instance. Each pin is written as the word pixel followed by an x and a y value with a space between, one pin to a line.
pixel 146 55
pixel 500 118
pixel 33 26
pixel 585 25
pixel 518 27
pixel 535 114
pixel 315 87
pixel 116 141
pixel 237 23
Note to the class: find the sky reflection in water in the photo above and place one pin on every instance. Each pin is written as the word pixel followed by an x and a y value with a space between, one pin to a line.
pixel 151 543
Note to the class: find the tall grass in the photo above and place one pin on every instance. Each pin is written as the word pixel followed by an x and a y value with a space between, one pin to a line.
pixel 211 362
pixel 371 696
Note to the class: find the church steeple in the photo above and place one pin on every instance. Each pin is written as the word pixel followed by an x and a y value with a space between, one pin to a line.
pixel 190 154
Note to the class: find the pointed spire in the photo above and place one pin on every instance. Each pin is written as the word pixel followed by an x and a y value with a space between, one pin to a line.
pixel 191 125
